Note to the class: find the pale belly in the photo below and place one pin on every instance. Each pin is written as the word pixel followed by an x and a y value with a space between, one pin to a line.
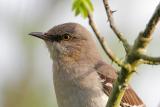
pixel 80 98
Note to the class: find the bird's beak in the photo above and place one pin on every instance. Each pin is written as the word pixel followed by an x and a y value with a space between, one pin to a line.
pixel 40 35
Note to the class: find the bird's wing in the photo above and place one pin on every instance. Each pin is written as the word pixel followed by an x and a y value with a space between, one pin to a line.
pixel 108 75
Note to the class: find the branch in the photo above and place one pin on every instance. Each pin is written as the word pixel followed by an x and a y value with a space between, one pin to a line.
pixel 132 59
pixel 150 60
pixel 114 28
pixel 145 37
pixel 152 23
pixel 103 42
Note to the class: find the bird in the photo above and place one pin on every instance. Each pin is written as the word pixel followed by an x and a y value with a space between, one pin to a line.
pixel 81 77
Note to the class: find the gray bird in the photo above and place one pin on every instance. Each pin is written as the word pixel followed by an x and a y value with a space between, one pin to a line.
pixel 81 77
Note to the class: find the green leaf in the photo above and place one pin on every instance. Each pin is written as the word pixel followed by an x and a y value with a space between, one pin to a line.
pixel 82 7
pixel 83 11
pixel 75 4
pixel 88 5
pixel 77 11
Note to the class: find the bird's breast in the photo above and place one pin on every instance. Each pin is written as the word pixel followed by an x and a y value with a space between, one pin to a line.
pixel 77 88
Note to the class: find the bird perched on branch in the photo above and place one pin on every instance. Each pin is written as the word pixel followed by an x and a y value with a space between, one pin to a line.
pixel 81 77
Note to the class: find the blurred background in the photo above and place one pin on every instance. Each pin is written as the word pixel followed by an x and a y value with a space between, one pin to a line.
pixel 25 65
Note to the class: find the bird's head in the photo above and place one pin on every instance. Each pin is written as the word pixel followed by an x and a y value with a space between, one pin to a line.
pixel 68 41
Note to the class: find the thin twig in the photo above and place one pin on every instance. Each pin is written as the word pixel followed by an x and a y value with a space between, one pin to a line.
pixel 150 60
pixel 145 37
pixel 114 28
pixel 152 23
pixel 103 42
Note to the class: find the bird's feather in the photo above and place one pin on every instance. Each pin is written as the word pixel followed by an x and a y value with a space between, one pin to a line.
pixel 108 75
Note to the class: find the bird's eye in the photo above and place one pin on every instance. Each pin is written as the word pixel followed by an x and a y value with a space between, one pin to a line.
pixel 66 37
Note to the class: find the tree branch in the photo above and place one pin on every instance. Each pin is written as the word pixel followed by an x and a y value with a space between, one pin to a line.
pixel 114 28
pixel 152 23
pixel 133 59
pixel 103 42
pixel 150 60
pixel 145 37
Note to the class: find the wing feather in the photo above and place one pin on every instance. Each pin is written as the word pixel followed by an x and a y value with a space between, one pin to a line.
pixel 108 75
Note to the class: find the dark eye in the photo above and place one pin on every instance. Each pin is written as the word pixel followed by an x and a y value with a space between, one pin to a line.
pixel 66 37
